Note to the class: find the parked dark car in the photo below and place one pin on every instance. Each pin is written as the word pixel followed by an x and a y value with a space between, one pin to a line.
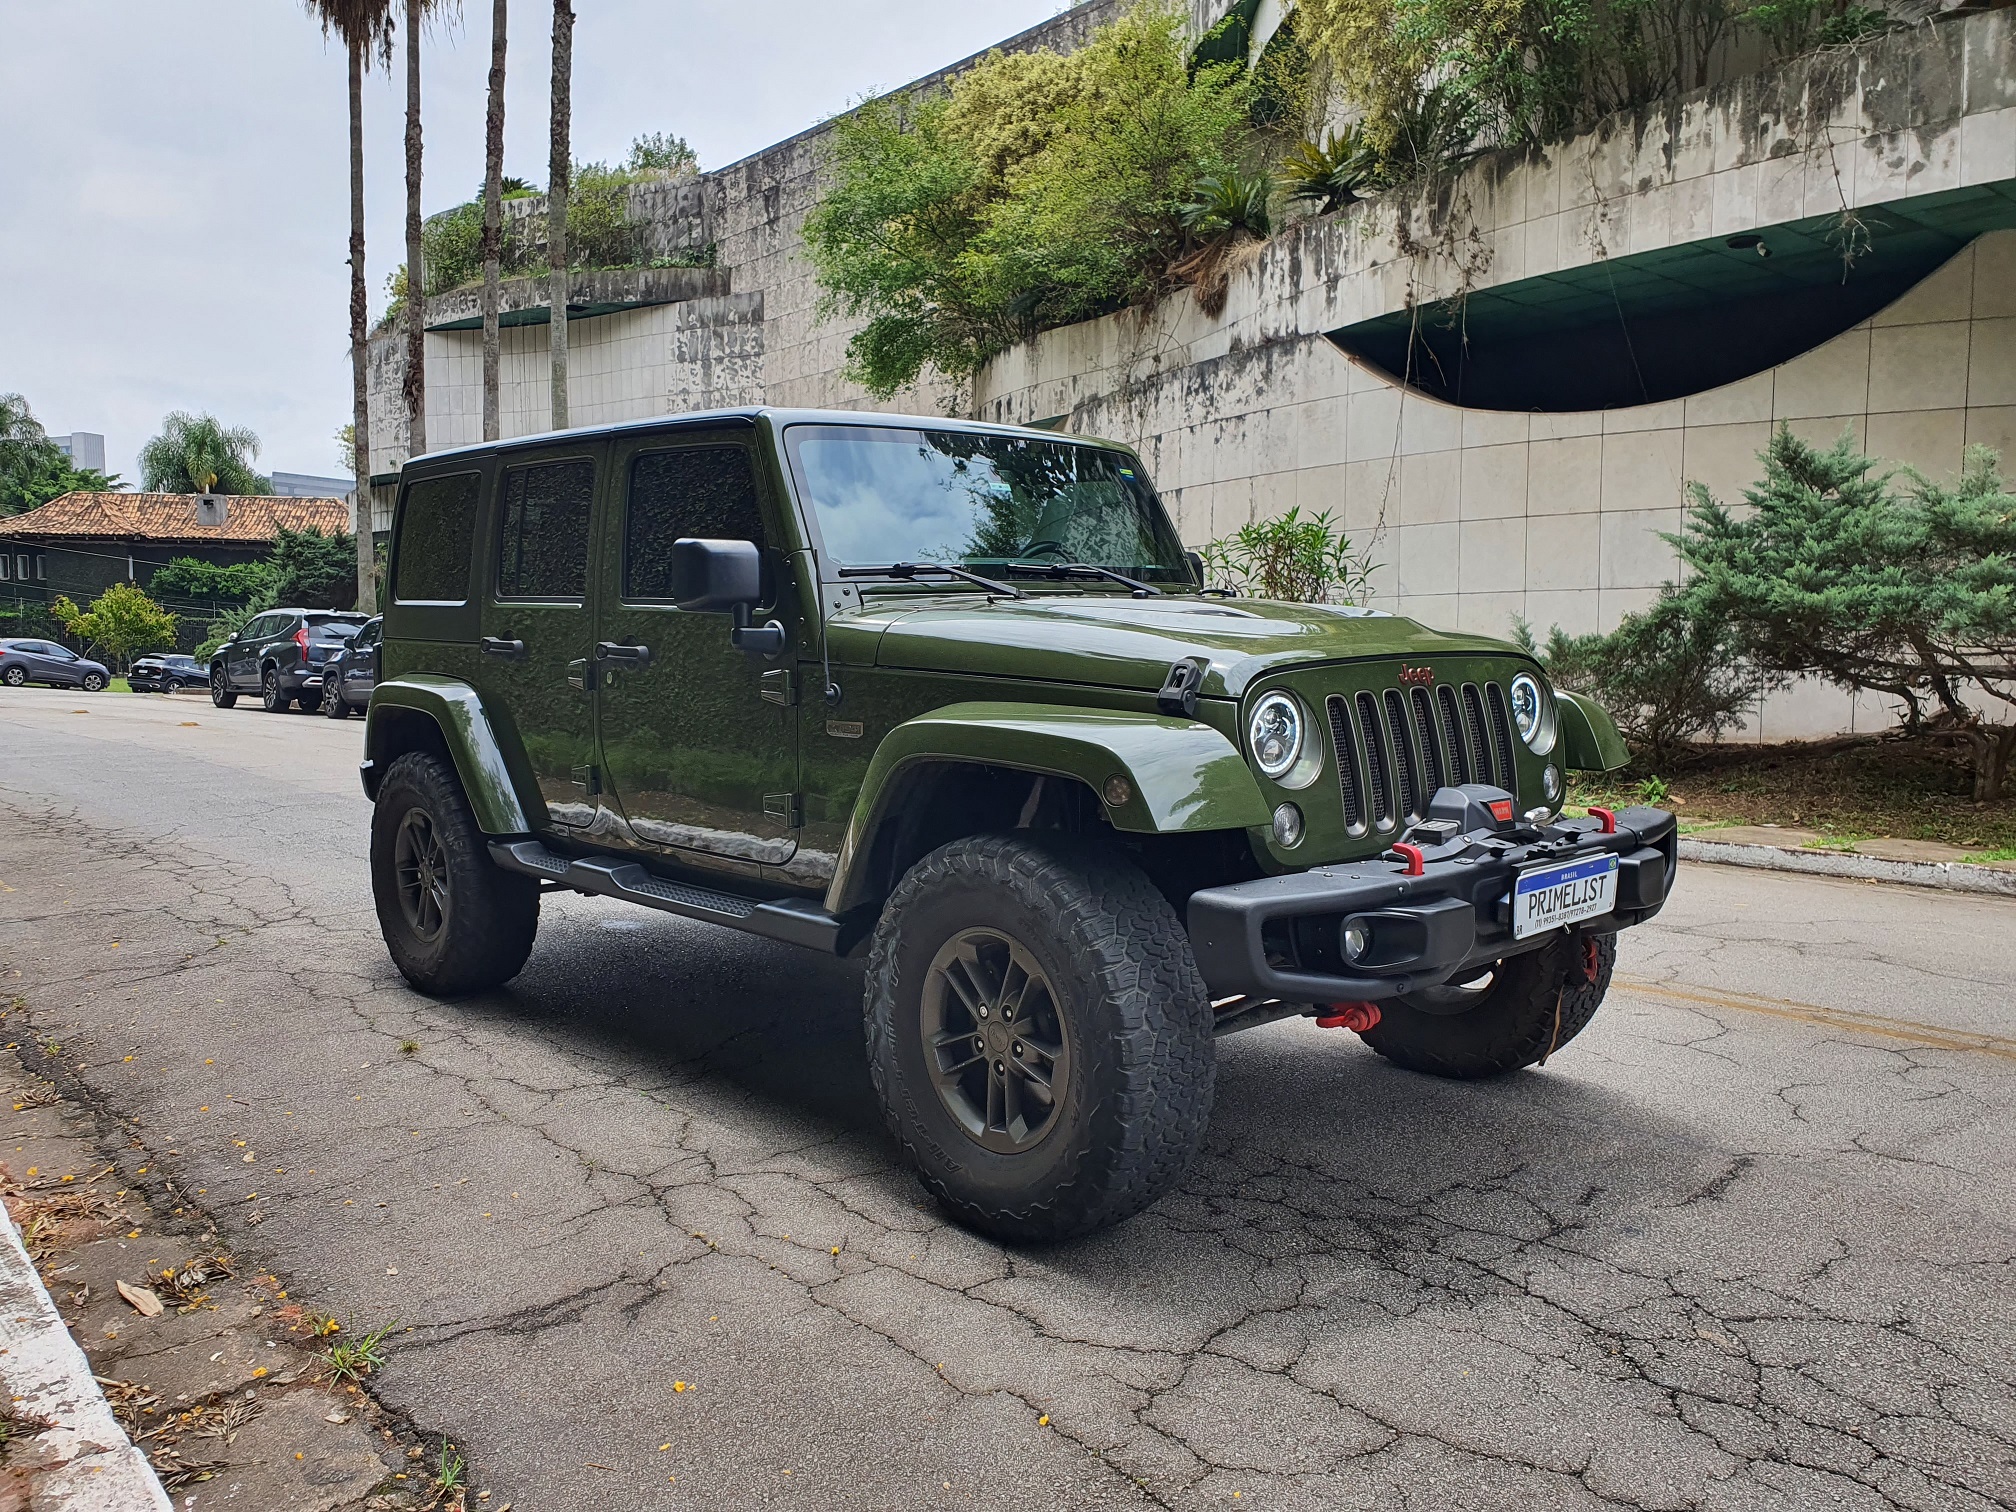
pixel 279 656
pixel 166 674
pixel 351 672
pixel 41 661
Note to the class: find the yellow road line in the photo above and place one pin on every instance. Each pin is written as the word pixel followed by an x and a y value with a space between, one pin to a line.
pixel 1829 1018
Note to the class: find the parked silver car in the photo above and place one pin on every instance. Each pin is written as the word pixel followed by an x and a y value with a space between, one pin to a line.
pixel 40 661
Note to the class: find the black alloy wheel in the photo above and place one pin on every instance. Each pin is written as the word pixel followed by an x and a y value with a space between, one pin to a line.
pixel 275 701
pixel 420 870
pixel 15 677
pixel 1000 1056
pixel 220 689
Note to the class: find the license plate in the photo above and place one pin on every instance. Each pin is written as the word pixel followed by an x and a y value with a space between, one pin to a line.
pixel 1549 896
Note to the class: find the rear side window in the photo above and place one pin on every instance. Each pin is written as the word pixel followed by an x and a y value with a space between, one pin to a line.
pixel 437 521
pixel 703 491
pixel 542 549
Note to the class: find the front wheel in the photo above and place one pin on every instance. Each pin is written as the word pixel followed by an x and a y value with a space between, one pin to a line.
pixel 1518 1012
pixel 1039 1035
pixel 453 920
pixel 93 682
pixel 220 689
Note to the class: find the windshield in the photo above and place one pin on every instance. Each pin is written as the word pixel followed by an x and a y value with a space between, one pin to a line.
pixel 886 494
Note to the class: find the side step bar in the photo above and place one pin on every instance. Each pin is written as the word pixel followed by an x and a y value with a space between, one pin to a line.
pixel 792 920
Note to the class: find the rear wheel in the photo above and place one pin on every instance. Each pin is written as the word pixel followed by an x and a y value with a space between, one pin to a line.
pixel 453 920
pixel 271 697
pixel 220 689
pixel 1038 1034
pixel 15 677
pixel 1518 1012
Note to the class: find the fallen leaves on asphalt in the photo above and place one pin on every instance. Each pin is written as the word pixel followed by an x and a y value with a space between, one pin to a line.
pixel 143 1299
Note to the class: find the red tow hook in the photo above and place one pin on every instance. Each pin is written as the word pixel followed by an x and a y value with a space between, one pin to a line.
pixel 1357 1017
pixel 1609 819
pixel 1417 863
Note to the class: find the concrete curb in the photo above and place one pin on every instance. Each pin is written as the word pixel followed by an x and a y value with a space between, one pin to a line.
pixel 1954 876
pixel 84 1463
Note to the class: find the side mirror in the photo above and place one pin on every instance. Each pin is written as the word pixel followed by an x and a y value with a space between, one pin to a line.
pixel 1196 562
pixel 712 576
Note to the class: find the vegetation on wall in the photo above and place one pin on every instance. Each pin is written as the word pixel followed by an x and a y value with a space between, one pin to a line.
pixel 1040 189
pixel 599 231
pixel 33 469
pixel 306 570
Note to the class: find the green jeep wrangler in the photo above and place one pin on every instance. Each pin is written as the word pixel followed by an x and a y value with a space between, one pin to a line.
pixel 954 697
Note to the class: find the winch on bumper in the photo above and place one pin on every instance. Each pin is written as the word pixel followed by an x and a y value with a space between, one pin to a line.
pixel 1435 908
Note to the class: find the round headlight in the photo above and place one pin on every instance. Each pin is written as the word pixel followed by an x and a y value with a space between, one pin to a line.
pixel 1275 733
pixel 1533 712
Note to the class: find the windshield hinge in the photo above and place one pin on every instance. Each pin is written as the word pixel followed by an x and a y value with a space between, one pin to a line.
pixel 780 687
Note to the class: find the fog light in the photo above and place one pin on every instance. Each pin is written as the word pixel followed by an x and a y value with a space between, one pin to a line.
pixel 1550 783
pixel 1357 940
pixel 1288 826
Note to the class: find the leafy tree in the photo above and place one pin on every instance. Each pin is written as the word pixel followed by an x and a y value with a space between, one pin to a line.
pixel 197 454
pixel 313 570
pixel 194 578
pixel 1910 591
pixel 1040 189
pixel 121 623
pixel 33 469
pixel 1303 560
pixel 660 152
pixel 1668 675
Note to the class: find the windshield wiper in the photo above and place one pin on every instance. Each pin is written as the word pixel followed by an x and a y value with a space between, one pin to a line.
pixel 1061 570
pixel 909 570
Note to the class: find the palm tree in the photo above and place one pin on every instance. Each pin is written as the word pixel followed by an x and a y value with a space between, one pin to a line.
pixel 556 199
pixel 198 454
pixel 415 385
pixel 364 27
pixel 493 218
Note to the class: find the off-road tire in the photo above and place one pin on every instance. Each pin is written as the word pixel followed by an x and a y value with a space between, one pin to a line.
pixel 15 677
pixel 333 705
pixel 1135 1011
pixel 271 698
pixel 489 917
pixel 1535 1004
pixel 93 682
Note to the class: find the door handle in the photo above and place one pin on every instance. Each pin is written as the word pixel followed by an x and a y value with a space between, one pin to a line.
pixel 635 656
pixel 509 649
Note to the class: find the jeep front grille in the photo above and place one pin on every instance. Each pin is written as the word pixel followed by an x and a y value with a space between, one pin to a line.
pixel 1394 751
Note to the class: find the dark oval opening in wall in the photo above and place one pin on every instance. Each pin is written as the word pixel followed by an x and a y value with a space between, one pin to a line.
pixel 1661 325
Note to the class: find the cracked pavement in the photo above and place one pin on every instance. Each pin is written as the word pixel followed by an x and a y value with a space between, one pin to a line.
pixel 1747 1243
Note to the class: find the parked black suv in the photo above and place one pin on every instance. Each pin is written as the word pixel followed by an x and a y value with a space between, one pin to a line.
pixel 165 674
pixel 351 671
pixel 279 656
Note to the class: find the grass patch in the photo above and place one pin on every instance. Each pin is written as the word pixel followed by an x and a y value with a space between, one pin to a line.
pixel 119 685
pixel 1847 789
pixel 355 1356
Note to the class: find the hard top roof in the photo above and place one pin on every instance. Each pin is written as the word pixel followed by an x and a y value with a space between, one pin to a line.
pixel 749 414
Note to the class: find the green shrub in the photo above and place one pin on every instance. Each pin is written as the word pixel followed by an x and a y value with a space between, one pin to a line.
pixel 1667 676
pixel 1306 560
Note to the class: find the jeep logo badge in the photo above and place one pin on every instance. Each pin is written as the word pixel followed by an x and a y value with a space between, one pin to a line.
pixel 1416 677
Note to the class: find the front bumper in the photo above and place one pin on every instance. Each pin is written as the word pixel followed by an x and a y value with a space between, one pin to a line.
pixel 1279 937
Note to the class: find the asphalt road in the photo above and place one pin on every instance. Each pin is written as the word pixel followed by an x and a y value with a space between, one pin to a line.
pixel 1747 1243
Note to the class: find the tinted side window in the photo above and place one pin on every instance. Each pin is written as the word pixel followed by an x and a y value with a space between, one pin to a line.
pixel 437 521
pixel 703 491
pixel 542 549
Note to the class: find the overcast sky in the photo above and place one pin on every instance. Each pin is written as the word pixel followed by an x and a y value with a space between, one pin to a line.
pixel 174 194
